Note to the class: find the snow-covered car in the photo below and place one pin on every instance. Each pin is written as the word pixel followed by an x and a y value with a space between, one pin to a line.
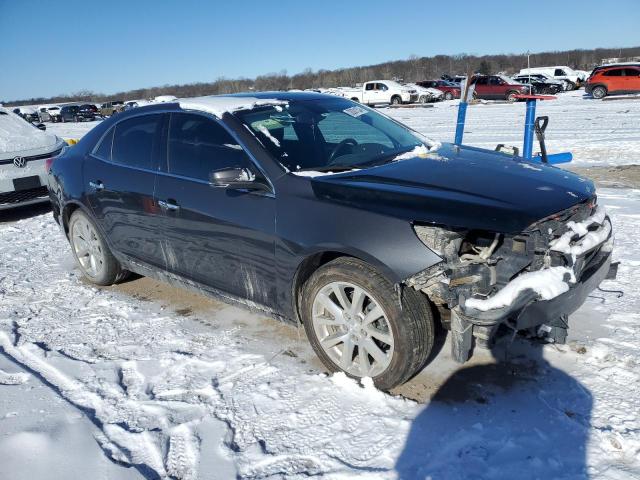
pixel 321 211
pixel 426 94
pixel 24 150
pixel 384 91
pixel 30 114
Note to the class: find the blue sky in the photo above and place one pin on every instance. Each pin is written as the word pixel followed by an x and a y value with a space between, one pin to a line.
pixel 52 47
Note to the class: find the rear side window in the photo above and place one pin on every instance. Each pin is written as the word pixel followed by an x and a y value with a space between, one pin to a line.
pixel 199 145
pixel 631 72
pixel 103 151
pixel 559 72
pixel 133 141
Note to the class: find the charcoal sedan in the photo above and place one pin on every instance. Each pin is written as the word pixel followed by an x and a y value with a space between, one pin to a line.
pixel 318 210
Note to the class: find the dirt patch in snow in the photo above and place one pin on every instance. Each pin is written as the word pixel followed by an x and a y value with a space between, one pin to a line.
pixel 614 176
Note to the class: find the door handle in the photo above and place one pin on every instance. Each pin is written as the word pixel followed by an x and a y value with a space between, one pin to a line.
pixel 97 185
pixel 168 205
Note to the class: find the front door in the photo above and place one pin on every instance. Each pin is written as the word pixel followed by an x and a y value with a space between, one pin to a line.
pixel 221 237
pixel 119 180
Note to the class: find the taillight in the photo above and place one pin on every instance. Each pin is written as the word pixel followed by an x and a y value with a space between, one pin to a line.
pixel 48 162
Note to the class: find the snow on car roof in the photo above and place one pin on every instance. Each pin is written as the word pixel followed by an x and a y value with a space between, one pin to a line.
pixel 219 105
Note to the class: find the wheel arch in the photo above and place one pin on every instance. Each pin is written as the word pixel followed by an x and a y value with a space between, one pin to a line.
pixel 313 261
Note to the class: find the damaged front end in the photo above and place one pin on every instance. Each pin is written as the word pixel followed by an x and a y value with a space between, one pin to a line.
pixel 532 280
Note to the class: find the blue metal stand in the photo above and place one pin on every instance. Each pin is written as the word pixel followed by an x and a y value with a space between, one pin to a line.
pixel 462 115
pixel 529 129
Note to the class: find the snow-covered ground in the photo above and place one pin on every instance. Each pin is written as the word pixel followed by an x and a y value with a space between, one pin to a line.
pixel 96 381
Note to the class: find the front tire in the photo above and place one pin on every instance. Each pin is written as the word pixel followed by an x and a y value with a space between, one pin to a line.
pixel 448 96
pixel 511 96
pixel 599 92
pixel 355 324
pixel 396 100
pixel 91 252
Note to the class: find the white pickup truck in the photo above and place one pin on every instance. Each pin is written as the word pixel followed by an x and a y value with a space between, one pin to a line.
pixel 571 78
pixel 383 91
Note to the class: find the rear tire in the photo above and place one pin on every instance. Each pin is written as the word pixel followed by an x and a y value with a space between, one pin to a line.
pixel 599 92
pixel 91 252
pixel 403 335
pixel 511 96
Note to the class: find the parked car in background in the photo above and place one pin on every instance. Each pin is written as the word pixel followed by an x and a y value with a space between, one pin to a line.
pixel 451 90
pixel 111 108
pixel 75 113
pixel 571 78
pixel 54 113
pixel 390 242
pixel 539 85
pixel 384 91
pixel 90 107
pixel 30 114
pixel 613 81
pixel 426 94
pixel 43 114
pixel 497 87
pixel 24 150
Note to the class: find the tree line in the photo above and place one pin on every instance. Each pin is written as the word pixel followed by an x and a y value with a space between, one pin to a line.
pixel 410 70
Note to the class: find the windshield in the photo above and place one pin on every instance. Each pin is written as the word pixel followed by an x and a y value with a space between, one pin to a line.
pixel 329 135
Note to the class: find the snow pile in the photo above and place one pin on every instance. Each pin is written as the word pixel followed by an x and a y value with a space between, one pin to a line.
pixel 548 284
pixel 219 105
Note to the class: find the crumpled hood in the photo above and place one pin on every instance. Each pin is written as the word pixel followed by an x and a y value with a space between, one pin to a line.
pixel 18 137
pixel 462 187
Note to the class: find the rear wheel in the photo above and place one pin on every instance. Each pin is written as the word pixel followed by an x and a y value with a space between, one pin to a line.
pixel 570 86
pixel 599 92
pixel 511 96
pixel 91 252
pixel 354 323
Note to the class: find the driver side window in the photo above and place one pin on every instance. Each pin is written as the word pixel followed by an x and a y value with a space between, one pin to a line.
pixel 199 145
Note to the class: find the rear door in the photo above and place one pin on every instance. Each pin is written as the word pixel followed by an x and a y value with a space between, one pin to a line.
pixel 221 237
pixel 614 80
pixel 631 79
pixel 481 87
pixel 120 177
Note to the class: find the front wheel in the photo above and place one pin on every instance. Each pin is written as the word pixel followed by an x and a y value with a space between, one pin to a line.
pixel 396 101
pixel 448 96
pixel 91 252
pixel 511 96
pixel 599 92
pixel 355 323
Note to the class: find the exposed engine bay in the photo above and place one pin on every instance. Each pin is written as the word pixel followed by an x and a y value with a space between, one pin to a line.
pixel 486 280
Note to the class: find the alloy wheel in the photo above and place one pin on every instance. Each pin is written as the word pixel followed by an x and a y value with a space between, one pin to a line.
pixel 352 329
pixel 87 247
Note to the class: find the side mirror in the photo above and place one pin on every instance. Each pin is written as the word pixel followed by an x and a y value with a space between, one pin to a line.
pixel 236 178
pixel 41 126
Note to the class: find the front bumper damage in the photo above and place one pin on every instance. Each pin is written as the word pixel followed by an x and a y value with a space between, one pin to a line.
pixel 530 281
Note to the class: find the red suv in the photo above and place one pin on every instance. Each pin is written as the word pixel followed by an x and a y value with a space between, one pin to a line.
pixel 497 87
pixel 451 90
pixel 613 81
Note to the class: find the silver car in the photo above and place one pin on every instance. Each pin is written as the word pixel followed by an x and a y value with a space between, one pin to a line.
pixel 24 150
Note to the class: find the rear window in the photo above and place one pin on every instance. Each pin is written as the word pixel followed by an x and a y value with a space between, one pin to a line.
pixel 133 141
pixel 103 150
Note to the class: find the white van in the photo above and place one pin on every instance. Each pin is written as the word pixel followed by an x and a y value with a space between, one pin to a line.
pixel 570 77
